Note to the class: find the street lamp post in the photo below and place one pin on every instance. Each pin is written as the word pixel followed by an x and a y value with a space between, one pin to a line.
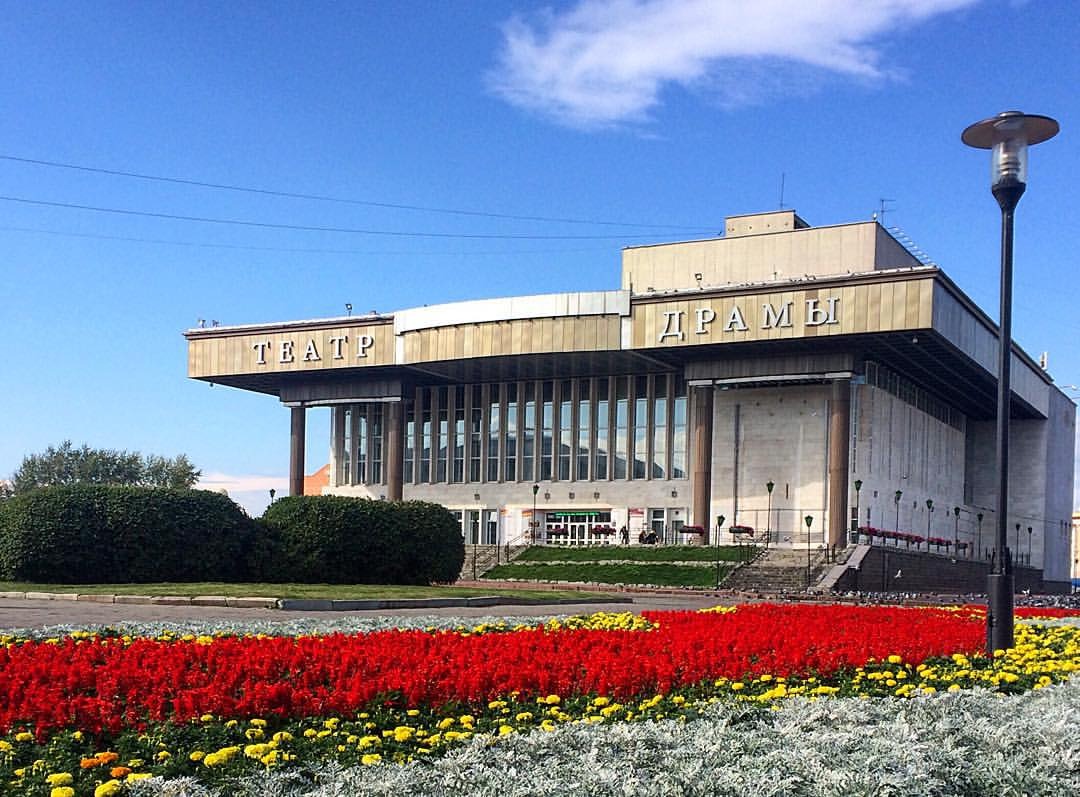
pixel 896 498
pixel 978 539
pixel 956 530
pixel 719 525
pixel 768 512
pixel 532 525
pixel 1016 543
pixel 929 511
pixel 809 519
pixel 858 489
pixel 1007 136
pixel 1029 547
pixel 273 492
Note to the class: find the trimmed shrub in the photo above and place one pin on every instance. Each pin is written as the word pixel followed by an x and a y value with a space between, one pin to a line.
pixel 339 540
pixel 102 534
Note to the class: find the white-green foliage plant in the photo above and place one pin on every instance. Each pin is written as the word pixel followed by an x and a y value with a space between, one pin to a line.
pixel 964 743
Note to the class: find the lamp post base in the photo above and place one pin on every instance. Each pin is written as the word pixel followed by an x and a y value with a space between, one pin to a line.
pixel 999 612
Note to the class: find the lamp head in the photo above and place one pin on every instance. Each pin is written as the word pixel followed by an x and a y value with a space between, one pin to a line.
pixel 769 485
pixel 536 489
pixel 956 511
pixel 858 485
pixel 809 519
pixel 930 503
pixel 896 497
pixel 720 520
pixel 1008 136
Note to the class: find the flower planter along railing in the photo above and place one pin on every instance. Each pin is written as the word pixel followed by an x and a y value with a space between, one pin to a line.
pixel 897 537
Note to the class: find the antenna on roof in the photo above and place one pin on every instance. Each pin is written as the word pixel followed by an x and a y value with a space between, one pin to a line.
pixel 879 216
pixel 782 176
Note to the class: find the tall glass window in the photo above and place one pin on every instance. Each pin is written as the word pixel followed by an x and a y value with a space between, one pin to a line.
pixel 584 429
pixel 459 434
pixel 346 448
pixel 678 432
pixel 600 467
pixel 528 434
pixel 547 430
pixel 375 419
pixel 660 426
pixel 566 428
pixel 641 425
pixel 510 466
pixel 425 436
pixel 444 435
pixel 360 442
pixel 622 426
pixel 410 441
pixel 476 432
pixel 494 424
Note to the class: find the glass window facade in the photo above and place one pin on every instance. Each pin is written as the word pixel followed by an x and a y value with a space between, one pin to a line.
pixel 584 429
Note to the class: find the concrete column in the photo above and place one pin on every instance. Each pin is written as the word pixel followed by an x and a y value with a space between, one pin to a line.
pixel 395 442
pixel 701 455
pixel 839 462
pixel 296 451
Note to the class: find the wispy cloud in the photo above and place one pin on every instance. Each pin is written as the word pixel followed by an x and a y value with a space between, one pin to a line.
pixel 242 483
pixel 606 62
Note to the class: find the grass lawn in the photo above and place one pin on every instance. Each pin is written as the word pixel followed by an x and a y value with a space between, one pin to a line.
pixel 669 575
pixel 634 553
pixel 323 591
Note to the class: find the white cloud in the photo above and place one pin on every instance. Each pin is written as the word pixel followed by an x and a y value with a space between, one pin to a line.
pixel 231 483
pixel 605 62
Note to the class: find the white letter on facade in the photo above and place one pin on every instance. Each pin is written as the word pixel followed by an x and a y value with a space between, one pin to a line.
pixel 363 343
pixel 771 318
pixel 815 316
pixel 336 343
pixel 673 318
pixel 735 321
pixel 286 352
pixel 261 349
pixel 705 315
pixel 311 354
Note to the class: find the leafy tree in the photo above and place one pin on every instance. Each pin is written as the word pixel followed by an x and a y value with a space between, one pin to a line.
pixel 65 465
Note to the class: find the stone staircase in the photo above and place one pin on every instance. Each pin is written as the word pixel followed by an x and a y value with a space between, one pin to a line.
pixel 777 570
pixel 481 558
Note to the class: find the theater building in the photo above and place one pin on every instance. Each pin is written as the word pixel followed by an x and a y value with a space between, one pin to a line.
pixel 776 373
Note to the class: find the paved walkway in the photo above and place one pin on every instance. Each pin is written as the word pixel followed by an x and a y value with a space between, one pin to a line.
pixel 16 613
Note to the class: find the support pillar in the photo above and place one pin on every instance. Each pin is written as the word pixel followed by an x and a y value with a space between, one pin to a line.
pixel 296 450
pixel 701 452
pixel 839 462
pixel 395 442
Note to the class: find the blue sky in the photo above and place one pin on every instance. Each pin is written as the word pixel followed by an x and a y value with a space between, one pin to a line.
pixel 616 111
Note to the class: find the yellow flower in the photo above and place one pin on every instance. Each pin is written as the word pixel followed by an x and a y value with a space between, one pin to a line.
pixel 60 779
pixel 197 755
pixel 24 736
pixel 62 791
pixel 370 758
pixel 257 723
pixel 894 659
pixel 138 776
pixel 108 789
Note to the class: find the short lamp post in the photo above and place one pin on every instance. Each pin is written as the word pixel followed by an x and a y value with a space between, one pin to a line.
pixel 809 520
pixel 956 530
pixel 858 489
pixel 532 524
pixel 719 525
pixel 929 512
pixel 1007 136
pixel 768 512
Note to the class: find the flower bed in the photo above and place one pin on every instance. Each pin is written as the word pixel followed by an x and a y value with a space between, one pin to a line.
pixel 97 713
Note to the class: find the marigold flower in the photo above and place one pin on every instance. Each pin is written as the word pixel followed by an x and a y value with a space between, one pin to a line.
pixel 60 779
pixel 119 772
pixel 62 791
pixel 108 788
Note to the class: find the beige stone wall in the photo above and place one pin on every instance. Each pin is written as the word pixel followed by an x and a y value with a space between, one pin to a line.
pixel 523 336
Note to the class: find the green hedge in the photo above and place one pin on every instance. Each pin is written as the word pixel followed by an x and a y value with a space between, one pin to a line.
pixel 339 540
pixel 100 534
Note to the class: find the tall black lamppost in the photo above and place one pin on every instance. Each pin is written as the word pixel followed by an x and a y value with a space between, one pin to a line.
pixel 929 511
pixel 956 530
pixel 273 492
pixel 1007 136
pixel 1029 547
pixel 768 512
pixel 719 525
pixel 896 498
pixel 809 519
pixel 858 520
pixel 978 539
pixel 1016 542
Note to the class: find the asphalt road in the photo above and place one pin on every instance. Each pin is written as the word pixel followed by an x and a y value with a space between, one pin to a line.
pixel 18 613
